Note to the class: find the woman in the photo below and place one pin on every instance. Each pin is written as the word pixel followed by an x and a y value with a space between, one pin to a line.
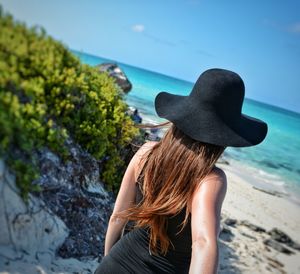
pixel 172 190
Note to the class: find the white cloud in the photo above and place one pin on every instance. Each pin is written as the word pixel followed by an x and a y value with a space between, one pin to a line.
pixel 141 29
pixel 138 28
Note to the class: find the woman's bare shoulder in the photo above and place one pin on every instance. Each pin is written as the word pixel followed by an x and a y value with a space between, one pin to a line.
pixel 140 156
pixel 146 147
pixel 217 179
pixel 217 172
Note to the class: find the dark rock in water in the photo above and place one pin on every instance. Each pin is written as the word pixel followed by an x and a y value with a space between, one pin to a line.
pixel 114 71
pixel 282 237
pixel 275 263
pixel 294 245
pixel 279 236
pixel 269 164
pixel 73 192
pixel 252 226
pixel 223 160
pixel 277 246
pixel 271 192
pixel 226 234
pixel 286 166
pixel 231 222
pixel 248 236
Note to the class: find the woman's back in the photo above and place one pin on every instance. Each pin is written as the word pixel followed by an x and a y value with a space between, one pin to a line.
pixel 136 244
pixel 180 249
pixel 131 253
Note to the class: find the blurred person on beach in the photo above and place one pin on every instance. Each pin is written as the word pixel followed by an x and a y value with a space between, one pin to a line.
pixel 172 192
pixel 136 117
pixel 153 136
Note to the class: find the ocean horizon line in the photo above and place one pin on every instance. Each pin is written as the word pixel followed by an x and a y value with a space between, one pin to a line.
pixel 270 106
pixel 140 68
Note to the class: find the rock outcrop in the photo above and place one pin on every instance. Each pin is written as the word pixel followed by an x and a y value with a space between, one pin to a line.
pixel 74 193
pixel 30 229
pixel 62 226
pixel 115 71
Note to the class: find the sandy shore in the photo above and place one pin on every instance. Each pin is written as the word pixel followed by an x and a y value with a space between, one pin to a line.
pixel 245 251
pixel 242 247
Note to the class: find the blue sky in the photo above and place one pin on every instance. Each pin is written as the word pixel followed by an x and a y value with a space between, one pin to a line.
pixel 260 40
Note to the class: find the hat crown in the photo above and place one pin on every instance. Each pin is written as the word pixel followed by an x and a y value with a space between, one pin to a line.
pixel 220 89
pixel 212 112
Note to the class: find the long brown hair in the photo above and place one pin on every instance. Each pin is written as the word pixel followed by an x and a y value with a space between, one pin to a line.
pixel 172 171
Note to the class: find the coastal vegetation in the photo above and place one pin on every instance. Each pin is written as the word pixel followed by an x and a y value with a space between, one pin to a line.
pixel 46 96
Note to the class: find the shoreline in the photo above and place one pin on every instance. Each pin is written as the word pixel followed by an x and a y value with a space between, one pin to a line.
pixel 251 175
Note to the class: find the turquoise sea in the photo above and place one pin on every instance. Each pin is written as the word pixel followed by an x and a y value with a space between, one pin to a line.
pixel 275 163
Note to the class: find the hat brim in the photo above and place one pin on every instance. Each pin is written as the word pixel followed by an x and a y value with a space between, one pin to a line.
pixel 205 125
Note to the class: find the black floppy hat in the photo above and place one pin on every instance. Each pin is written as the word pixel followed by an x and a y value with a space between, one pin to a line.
pixel 212 112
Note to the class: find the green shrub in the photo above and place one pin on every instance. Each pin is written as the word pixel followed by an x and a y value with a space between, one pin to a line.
pixel 46 95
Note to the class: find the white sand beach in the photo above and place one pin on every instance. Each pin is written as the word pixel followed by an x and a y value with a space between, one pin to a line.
pixel 246 252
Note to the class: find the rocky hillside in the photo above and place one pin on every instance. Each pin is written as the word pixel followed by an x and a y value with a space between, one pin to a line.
pixel 67 219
